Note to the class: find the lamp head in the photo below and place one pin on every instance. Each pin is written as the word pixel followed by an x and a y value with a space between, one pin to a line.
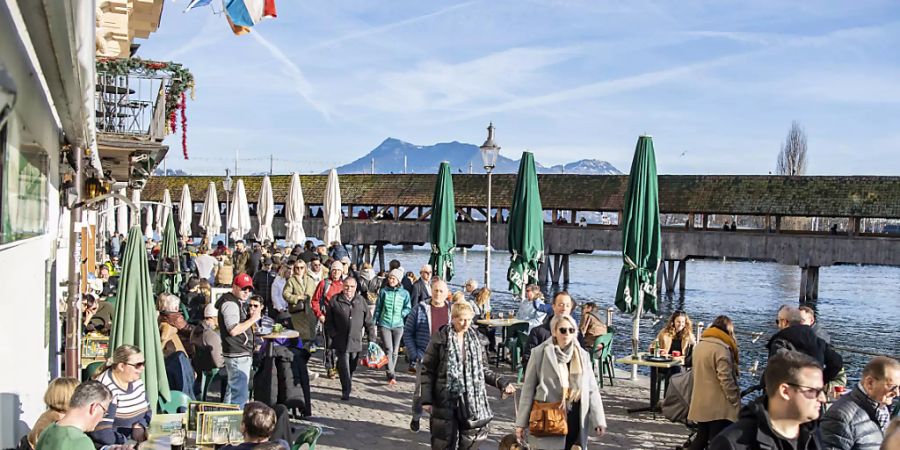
pixel 490 150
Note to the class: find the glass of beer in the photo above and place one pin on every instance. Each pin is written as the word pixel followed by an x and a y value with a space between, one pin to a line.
pixel 176 439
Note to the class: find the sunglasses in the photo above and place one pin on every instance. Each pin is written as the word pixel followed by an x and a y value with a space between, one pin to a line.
pixel 806 391
pixel 255 305
pixel 567 330
pixel 247 289
pixel 139 365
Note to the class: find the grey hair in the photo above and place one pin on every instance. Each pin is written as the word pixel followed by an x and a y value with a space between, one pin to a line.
pixel 88 392
pixel 793 315
pixel 169 302
pixel 436 281
pixel 560 317
pixel 426 267
pixel 471 282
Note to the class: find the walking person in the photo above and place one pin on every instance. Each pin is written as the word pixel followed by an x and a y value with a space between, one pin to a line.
pixel 559 371
pixel 326 289
pixel 347 316
pixel 391 309
pixel 422 287
pixel 236 319
pixel 858 420
pixel 425 319
pixel 716 397
pixel 454 374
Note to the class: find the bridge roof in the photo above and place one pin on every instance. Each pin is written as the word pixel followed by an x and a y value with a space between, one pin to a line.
pixel 824 196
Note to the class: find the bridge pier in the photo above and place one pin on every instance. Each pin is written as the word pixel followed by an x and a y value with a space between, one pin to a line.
pixel 550 271
pixel 809 284
pixel 671 275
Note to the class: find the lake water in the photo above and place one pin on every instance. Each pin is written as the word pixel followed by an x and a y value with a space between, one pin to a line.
pixel 858 305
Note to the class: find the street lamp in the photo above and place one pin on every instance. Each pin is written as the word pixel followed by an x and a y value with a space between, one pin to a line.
pixel 226 183
pixel 489 152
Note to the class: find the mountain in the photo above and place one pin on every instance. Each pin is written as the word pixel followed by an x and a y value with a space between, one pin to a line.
pixel 389 156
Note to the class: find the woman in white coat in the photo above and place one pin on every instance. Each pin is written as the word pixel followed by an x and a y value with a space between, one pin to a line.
pixel 559 370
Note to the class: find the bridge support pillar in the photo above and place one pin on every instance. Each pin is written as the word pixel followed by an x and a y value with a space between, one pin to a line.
pixel 809 284
pixel 668 276
pixel 559 266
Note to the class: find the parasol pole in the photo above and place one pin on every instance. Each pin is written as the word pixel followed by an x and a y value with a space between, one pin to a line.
pixel 635 331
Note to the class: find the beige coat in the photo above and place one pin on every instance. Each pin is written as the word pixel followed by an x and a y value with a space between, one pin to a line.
pixel 542 383
pixel 716 394
pixel 301 291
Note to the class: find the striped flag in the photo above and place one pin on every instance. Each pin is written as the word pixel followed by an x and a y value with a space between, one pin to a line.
pixel 246 13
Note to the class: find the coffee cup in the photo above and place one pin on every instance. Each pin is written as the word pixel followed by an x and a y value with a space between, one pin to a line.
pixel 676 353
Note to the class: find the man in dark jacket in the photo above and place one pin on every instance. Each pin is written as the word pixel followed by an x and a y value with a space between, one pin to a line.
pixel 347 315
pixel 858 420
pixel 262 285
pixel 562 304
pixel 794 335
pixel 255 260
pixel 785 418
pixel 422 287
pixel 425 319
pixel 241 259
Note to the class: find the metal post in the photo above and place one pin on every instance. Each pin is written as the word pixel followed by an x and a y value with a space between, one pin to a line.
pixel 227 213
pixel 73 300
pixel 487 250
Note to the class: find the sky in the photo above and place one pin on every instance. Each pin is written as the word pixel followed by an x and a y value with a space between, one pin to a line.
pixel 716 83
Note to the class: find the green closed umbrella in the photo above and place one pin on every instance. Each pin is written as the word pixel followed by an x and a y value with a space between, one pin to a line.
pixel 641 247
pixel 442 227
pixel 526 228
pixel 168 278
pixel 135 317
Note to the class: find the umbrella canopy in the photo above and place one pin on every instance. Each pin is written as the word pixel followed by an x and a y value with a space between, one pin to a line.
pixel 162 212
pixel 185 213
pixel 239 216
pixel 168 277
pixel 526 228
pixel 265 211
pixel 211 218
pixel 148 222
pixel 135 317
pixel 294 209
pixel 332 209
pixel 641 247
pixel 121 215
pixel 442 227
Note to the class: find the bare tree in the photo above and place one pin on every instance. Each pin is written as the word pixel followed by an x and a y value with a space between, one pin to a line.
pixel 792 158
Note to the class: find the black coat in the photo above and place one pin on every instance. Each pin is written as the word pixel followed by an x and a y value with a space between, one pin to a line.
pixel 803 339
pixel 850 423
pixel 753 432
pixel 419 293
pixel 344 323
pixel 435 390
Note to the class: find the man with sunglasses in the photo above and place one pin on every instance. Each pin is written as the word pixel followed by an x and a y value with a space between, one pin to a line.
pixel 87 407
pixel 235 327
pixel 858 420
pixel 785 418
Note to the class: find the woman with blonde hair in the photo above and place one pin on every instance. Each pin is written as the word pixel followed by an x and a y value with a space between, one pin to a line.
pixel 129 412
pixel 716 397
pixel 677 335
pixel 59 391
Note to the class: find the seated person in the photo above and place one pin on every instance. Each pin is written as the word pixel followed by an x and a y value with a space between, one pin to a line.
pixel 257 426
pixel 169 306
pixel 677 335
pixel 98 314
pixel 129 412
pixel 563 304
pixel 57 397
pixel 533 309
pixel 88 404
pixel 591 326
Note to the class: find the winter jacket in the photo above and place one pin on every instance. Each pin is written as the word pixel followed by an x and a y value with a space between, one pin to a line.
pixel 542 383
pixel 254 262
pixel 392 307
pixel 345 321
pixel 417 331
pixel 753 432
pixel 435 390
pixel 591 327
pixel 850 424
pixel 241 262
pixel 420 293
pixel 803 339
pixel 369 285
pixel 262 285
pixel 298 293
pixel 338 252
pixel 176 320
pixel 207 348
pixel 716 394
pixel 321 296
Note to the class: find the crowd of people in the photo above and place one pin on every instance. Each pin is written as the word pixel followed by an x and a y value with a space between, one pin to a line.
pixel 340 310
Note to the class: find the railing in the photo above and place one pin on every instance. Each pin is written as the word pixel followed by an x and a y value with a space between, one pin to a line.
pixel 133 104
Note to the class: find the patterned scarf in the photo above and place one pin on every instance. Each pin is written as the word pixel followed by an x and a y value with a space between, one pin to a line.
pixel 465 374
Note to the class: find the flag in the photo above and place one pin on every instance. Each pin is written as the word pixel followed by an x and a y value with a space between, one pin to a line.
pixel 196 4
pixel 246 13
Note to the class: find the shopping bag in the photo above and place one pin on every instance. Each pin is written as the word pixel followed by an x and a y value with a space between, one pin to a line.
pixel 375 357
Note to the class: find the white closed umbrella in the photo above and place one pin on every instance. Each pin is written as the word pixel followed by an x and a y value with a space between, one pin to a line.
pixel 121 215
pixel 110 216
pixel 162 211
pixel 239 216
pixel 332 209
pixel 210 219
pixel 185 212
pixel 148 218
pixel 294 210
pixel 265 211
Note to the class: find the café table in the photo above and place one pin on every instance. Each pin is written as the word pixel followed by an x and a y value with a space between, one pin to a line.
pixel 655 379
pixel 502 324
pixel 283 334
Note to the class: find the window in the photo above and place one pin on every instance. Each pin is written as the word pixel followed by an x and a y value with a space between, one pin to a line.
pixel 23 191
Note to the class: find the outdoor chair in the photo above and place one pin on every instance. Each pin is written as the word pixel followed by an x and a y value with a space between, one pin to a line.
pixel 309 437
pixel 523 341
pixel 91 370
pixel 177 402
pixel 601 358
pixel 206 379
pixel 514 345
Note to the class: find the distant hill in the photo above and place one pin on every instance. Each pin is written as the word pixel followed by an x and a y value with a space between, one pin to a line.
pixel 426 158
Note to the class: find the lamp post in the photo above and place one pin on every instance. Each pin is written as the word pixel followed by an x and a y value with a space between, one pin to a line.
pixel 489 152
pixel 226 183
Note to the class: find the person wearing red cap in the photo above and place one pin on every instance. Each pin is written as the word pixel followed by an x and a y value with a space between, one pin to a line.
pixel 235 322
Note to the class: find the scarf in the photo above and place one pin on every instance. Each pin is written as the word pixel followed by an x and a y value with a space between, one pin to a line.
pixel 568 361
pixel 465 375
pixel 727 339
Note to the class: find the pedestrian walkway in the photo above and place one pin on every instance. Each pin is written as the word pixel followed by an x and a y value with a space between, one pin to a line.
pixel 377 416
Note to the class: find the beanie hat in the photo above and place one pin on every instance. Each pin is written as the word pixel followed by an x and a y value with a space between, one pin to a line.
pixel 396 273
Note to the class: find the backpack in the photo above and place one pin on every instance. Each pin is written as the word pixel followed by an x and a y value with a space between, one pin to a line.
pixel 677 402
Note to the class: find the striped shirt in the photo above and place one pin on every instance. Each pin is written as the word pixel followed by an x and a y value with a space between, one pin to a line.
pixel 130 405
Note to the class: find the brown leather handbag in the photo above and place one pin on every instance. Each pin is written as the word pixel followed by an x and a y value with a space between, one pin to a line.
pixel 547 419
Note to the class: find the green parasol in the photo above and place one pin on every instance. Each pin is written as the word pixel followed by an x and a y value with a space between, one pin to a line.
pixel 526 228
pixel 168 276
pixel 135 317
pixel 641 247
pixel 442 227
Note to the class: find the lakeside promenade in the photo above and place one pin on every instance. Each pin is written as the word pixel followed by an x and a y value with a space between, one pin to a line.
pixel 377 416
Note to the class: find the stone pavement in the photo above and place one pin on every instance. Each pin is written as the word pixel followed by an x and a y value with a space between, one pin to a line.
pixel 377 416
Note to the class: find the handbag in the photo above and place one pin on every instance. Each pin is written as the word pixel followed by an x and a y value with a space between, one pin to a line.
pixel 547 419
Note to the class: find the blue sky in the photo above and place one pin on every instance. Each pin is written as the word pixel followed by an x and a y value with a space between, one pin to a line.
pixel 716 83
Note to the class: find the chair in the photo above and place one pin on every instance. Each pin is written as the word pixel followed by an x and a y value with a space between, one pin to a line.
pixel 177 401
pixel 601 358
pixel 91 370
pixel 523 341
pixel 309 437
pixel 513 344
pixel 206 379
